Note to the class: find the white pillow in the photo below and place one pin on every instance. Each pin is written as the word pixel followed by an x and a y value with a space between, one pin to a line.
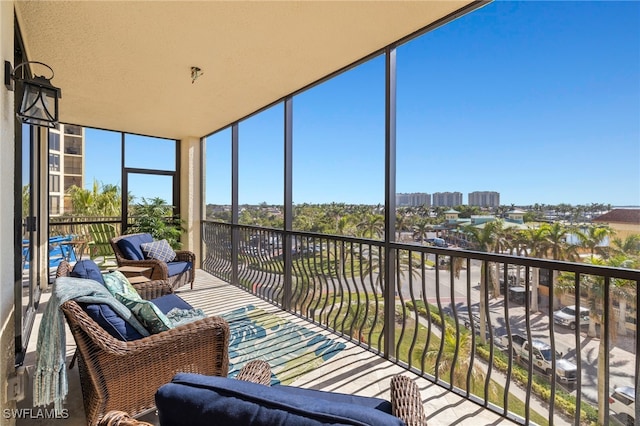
pixel 160 250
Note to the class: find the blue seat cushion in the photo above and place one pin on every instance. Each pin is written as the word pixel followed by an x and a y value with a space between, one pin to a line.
pixel 130 246
pixel 110 321
pixel 234 402
pixel 376 403
pixel 175 268
pixel 169 301
pixel 87 269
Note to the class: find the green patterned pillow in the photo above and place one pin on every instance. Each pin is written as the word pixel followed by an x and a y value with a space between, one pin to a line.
pixel 147 313
pixel 117 283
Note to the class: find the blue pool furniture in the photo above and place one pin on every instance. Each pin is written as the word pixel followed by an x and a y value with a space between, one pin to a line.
pixel 60 248
pixel 177 272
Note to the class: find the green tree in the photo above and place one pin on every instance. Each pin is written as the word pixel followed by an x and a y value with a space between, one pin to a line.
pixel 155 216
pixel 593 238
pixel 101 200
pixel 421 230
pixel 483 239
pixel 630 246
pixel 536 246
pixel 454 343
pixel 371 226
pixel 559 249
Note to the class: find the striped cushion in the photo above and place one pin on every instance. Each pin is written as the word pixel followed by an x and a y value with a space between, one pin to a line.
pixel 160 250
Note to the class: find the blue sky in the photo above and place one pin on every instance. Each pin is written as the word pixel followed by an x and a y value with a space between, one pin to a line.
pixel 539 101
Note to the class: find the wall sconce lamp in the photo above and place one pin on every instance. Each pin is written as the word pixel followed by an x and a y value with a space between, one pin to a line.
pixel 39 106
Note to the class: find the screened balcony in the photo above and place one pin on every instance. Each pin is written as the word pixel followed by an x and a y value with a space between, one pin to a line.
pixel 438 304
pixel 290 108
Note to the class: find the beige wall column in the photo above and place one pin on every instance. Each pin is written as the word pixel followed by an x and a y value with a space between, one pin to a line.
pixel 191 194
pixel 7 123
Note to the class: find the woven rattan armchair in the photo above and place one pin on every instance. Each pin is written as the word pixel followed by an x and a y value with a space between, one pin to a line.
pixel 255 371
pixel 158 269
pixel 223 401
pixel 119 375
pixel 406 402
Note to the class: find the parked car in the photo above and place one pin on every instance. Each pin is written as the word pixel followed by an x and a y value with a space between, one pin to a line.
pixel 566 371
pixel 518 295
pixel 567 316
pixel 623 401
pixel 438 242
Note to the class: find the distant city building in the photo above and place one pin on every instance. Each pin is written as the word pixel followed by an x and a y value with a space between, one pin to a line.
pixel 66 165
pixel 515 216
pixel 414 199
pixel 447 199
pixel 484 198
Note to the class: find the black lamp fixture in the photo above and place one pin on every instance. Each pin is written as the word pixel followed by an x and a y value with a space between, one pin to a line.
pixel 39 106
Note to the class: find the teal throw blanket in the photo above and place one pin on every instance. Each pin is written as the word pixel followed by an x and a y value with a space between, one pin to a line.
pixel 50 378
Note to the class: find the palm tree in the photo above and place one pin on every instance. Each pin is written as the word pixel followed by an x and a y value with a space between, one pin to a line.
pixel 536 245
pixel 402 219
pixel 630 246
pixel 622 290
pixel 595 290
pixel 484 240
pixel 101 200
pixel 593 238
pixel 559 249
pixel 421 230
pixel 372 226
pixel 462 345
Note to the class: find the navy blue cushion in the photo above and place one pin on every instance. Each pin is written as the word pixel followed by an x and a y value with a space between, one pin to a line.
pixel 175 268
pixel 130 246
pixel 234 402
pixel 169 301
pixel 376 403
pixel 112 323
pixel 87 269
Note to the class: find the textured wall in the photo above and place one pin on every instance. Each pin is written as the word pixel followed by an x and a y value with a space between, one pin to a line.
pixel 7 334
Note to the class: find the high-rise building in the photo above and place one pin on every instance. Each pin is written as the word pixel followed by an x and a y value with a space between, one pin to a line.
pixel 66 165
pixel 414 199
pixel 484 198
pixel 447 199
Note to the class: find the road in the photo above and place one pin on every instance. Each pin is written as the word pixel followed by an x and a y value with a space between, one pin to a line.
pixel 622 361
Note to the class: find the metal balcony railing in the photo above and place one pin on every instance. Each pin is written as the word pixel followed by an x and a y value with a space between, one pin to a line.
pixel 459 318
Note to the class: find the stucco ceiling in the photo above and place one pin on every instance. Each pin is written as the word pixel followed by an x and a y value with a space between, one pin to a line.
pixel 126 65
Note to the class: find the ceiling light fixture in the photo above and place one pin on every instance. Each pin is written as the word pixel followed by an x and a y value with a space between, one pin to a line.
pixel 196 72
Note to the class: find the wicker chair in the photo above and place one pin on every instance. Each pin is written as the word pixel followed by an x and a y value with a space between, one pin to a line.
pixel 255 371
pixel 158 269
pixel 406 402
pixel 119 375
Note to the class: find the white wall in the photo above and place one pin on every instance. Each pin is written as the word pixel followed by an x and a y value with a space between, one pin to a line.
pixel 7 333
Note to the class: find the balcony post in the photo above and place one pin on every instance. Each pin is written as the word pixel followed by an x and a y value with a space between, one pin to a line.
pixel 191 203
pixel 234 205
pixel 288 203
pixel 390 202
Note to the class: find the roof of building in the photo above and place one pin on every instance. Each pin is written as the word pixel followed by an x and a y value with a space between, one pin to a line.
pixel 620 216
